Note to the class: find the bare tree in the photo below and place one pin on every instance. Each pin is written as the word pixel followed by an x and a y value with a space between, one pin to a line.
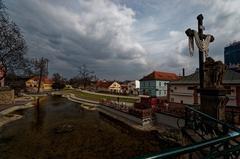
pixel 12 43
pixel 59 81
pixel 41 66
pixel 57 77
pixel 85 75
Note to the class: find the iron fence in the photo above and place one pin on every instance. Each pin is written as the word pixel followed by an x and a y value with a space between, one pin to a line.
pixel 207 138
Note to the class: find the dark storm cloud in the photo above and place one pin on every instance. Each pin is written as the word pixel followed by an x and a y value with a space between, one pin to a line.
pixel 164 36
pixel 80 32
pixel 122 39
pixel 223 22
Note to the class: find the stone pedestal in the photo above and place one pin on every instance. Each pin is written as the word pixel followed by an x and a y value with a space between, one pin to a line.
pixel 213 102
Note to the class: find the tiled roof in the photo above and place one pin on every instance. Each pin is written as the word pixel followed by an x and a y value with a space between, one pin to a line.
pixel 101 84
pixel 156 75
pixel 124 86
pixel 45 80
pixel 230 77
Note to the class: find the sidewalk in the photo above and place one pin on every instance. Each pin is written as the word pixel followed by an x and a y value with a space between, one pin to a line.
pixel 18 101
pixel 5 110
pixel 3 107
pixel 109 95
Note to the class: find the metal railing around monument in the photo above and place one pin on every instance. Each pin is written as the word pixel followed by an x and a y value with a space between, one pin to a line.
pixel 208 137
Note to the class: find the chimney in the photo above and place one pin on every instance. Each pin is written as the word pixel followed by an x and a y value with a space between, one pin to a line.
pixel 183 72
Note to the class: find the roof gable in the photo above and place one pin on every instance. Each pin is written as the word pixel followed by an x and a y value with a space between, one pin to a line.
pixel 156 75
pixel 115 85
pixel 101 84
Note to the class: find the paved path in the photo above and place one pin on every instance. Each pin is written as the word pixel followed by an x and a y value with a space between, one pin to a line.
pixel 109 95
pixel 3 107
pixel 79 99
pixel 18 101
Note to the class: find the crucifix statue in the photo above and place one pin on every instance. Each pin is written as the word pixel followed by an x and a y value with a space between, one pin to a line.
pixel 202 41
pixel 213 98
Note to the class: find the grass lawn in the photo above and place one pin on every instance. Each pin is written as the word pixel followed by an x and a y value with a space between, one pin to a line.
pixel 98 97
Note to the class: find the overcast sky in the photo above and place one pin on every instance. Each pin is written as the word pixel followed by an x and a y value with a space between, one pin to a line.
pixel 122 39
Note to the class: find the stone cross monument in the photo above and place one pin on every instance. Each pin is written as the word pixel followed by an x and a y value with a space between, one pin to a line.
pixel 212 93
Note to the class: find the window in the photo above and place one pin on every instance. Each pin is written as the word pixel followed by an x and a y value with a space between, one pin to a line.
pixel 165 92
pixel 172 99
pixel 175 88
pixel 165 84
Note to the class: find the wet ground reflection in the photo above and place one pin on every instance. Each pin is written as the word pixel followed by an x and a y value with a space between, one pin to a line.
pixel 61 129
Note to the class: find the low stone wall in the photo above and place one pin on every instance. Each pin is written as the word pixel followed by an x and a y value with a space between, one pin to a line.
pixel 124 116
pixel 6 97
pixel 5 117
pixel 73 98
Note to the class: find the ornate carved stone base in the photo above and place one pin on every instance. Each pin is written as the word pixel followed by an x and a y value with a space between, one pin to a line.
pixel 213 102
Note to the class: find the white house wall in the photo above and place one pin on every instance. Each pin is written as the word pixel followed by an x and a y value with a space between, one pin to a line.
pixel 133 87
pixel 182 93
pixel 137 84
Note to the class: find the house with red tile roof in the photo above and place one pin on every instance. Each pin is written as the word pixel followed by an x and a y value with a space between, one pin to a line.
pixel 155 84
pixel 106 86
pixel 32 84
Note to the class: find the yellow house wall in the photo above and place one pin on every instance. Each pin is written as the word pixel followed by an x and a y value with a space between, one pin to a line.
pixel 47 86
pixel 31 83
